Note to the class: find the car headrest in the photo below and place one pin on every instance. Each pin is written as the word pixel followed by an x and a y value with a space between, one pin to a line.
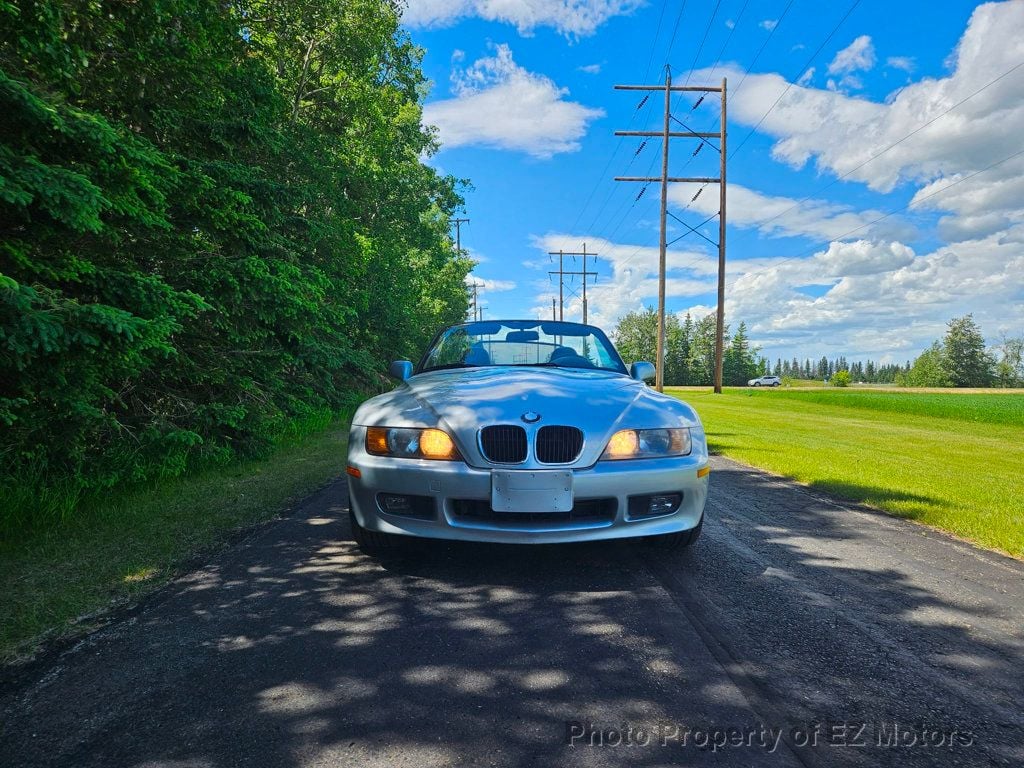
pixel 477 355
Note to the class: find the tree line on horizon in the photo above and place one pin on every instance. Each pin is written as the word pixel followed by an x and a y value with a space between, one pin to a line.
pixel 960 359
pixel 215 222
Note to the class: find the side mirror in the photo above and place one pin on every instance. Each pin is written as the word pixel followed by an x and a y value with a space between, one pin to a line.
pixel 400 369
pixel 642 371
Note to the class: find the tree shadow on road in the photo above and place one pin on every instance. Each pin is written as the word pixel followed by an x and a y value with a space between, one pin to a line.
pixel 297 650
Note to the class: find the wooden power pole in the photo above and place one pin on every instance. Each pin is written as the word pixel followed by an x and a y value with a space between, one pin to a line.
pixel 562 273
pixel 475 302
pixel 458 234
pixel 665 134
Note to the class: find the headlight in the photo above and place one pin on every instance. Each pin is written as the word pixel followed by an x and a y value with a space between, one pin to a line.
pixel 411 443
pixel 648 443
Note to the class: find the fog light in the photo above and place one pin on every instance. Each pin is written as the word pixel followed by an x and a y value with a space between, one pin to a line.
pixel 407 505
pixel 642 507
pixel 662 505
pixel 396 505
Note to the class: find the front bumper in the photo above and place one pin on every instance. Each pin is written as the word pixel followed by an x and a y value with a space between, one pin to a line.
pixel 452 488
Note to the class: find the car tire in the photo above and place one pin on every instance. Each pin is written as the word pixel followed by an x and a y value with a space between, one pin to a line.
pixel 679 539
pixel 757 383
pixel 777 383
pixel 371 542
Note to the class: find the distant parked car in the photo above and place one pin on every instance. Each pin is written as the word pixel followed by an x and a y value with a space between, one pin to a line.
pixel 765 381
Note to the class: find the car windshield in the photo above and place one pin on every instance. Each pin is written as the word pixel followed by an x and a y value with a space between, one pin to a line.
pixel 522 343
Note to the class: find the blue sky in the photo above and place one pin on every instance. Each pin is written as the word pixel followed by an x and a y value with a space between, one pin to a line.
pixel 524 104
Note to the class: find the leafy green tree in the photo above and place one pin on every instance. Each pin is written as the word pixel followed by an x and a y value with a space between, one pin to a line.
pixel 841 378
pixel 702 351
pixel 1009 371
pixel 215 219
pixel 965 360
pixel 636 336
pixel 927 370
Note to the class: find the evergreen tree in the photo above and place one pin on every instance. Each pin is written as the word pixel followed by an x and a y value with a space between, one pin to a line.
pixel 740 363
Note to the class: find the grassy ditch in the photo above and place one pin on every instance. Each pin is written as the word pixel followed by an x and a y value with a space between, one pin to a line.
pixel 949 460
pixel 115 550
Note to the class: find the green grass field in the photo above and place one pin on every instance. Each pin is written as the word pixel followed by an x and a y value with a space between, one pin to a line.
pixel 951 460
pixel 53 583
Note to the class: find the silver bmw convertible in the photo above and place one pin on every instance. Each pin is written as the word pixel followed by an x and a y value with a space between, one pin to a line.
pixel 525 431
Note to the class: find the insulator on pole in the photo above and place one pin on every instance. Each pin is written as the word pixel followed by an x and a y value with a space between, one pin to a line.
pixel 698 149
pixel 698 103
pixel 643 100
pixel 640 148
pixel 694 198
pixel 641 194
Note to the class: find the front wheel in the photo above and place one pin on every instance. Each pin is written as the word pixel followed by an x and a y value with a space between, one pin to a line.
pixel 671 541
pixel 371 542
pixel 776 384
pixel 757 383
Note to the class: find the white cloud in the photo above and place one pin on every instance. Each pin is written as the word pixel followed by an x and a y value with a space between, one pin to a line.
pixel 730 24
pixel 769 24
pixel 906 63
pixel 501 105
pixel 878 298
pixel 486 285
pixel 882 300
pixel 780 216
pixel 806 77
pixel 858 56
pixel 633 280
pixel 840 133
pixel 590 69
pixel 573 18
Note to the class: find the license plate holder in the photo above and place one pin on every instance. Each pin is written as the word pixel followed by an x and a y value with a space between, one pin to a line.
pixel 531 490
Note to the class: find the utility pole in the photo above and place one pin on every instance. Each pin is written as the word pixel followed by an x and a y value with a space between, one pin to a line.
pixel 562 273
pixel 665 134
pixel 475 305
pixel 553 315
pixel 720 315
pixel 458 234
pixel 561 290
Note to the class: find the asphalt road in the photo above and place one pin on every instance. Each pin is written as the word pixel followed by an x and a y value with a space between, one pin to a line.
pixel 799 631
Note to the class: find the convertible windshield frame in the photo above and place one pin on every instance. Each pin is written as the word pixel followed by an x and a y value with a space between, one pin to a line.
pixel 593 350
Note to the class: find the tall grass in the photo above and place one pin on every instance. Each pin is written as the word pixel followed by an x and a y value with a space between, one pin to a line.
pixel 38 502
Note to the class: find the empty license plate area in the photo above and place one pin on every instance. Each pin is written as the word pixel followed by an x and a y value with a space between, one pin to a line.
pixel 526 491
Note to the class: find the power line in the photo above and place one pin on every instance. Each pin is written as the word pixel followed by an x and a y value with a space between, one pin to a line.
pixel 657 36
pixel 763 46
pixel 611 159
pixel 891 146
pixel 675 29
pixel 700 47
pixel 728 38
pixel 804 69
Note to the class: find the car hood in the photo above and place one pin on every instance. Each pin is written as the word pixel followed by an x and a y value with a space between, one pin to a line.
pixel 461 401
